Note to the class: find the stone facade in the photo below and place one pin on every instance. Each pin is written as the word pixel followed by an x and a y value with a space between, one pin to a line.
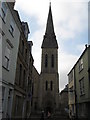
pixel 49 77
pixel 46 84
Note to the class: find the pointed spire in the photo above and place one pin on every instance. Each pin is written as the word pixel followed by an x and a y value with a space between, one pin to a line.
pixel 50 3
pixel 50 27
pixel 49 37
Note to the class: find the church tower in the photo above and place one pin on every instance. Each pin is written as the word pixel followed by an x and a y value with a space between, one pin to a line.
pixel 49 78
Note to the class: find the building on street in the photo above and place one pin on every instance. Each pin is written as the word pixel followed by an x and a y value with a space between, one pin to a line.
pixel 23 79
pixel 45 85
pixel 49 77
pixel 35 89
pixel 10 41
pixel 17 64
pixel 79 86
pixel 63 99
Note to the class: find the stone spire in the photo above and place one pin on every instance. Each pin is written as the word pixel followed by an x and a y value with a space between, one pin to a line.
pixel 49 40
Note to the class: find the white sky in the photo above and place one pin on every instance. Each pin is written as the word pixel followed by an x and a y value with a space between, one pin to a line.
pixel 70 19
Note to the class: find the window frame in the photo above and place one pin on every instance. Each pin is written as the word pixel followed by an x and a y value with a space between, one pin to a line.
pixel 81 65
pixel 7 55
pixel 82 86
pixel 12 27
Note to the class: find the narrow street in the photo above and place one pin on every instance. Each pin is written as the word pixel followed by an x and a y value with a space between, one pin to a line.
pixel 45 60
pixel 52 118
pixel 58 116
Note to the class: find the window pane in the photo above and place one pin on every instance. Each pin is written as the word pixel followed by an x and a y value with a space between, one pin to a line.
pixel 80 65
pixel 7 52
pixel 2 14
pixel 4 7
pixel 7 57
pixel 12 25
pixel 82 90
pixel 6 62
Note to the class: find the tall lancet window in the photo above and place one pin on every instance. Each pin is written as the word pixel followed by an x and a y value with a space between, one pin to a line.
pixel 51 85
pixel 46 85
pixel 52 61
pixel 46 60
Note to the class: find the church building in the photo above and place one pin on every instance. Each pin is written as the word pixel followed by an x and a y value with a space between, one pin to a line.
pixel 48 97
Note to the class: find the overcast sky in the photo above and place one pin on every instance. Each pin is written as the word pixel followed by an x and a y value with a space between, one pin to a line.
pixel 70 18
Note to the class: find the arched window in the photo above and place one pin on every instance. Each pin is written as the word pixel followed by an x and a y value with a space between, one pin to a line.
pixel 51 85
pixel 52 61
pixel 46 60
pixel 46 85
